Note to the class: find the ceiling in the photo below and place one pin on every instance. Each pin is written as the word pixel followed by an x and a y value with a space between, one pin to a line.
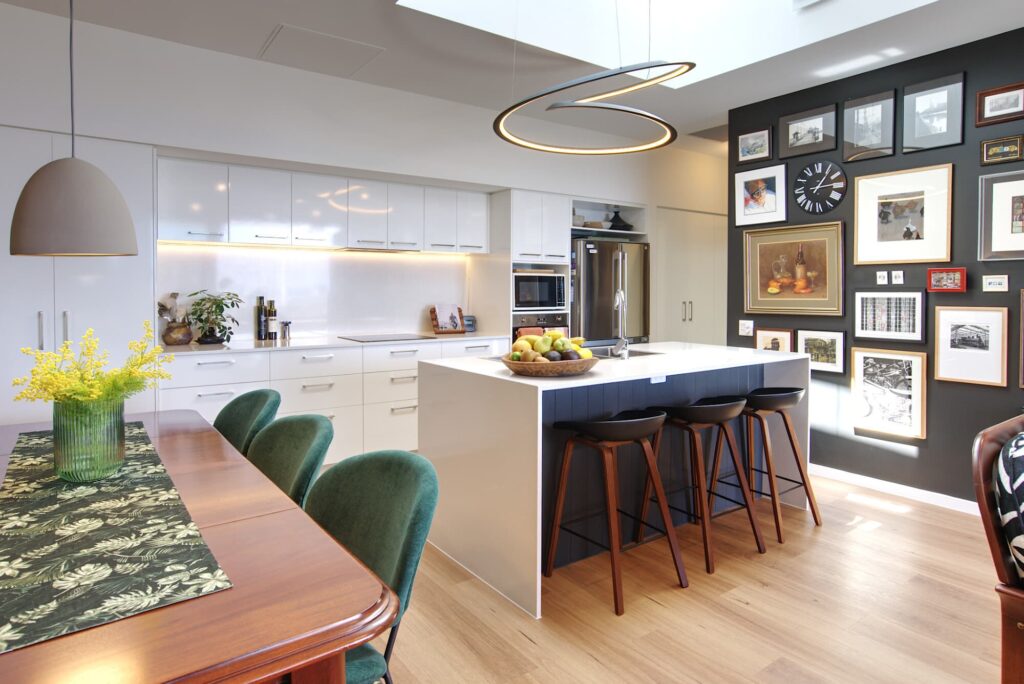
pixel 379 42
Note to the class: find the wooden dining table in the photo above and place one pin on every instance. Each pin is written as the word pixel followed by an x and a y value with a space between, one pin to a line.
pixel 299 601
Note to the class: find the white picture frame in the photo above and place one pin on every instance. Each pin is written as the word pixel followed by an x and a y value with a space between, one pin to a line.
pixel 889 315
pixel 826 348
pixel 888 392
pixel 1001 216
pixel 760 195
pixel 971 344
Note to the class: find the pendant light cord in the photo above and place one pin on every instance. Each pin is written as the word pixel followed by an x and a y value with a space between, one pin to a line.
pixel 71 67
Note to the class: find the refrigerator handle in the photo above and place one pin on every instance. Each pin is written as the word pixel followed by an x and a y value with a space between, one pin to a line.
pixel 616 274
pixel 624 284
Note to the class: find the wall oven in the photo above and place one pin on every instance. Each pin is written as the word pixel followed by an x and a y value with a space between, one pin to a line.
pixel 538 292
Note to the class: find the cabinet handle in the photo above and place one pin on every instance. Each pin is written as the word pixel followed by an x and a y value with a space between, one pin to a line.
pixel 683 319
pixel 474 246
pixel 396 242
pixel 316 357
pixel 328 385
pixel 228 362
pixel 529 254
pixel 202 395
pixel 441 244
pixel 399 409
pixel 271 237
pixel 311 239
pixel 691 310
pixel 403 378
pixel 477 346
pixel 396 352
pixel 40 325
pixel 67 325
pixel 371 242
pixel 192 232
pixel 560 256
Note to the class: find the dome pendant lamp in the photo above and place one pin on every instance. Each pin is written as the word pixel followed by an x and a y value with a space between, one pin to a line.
pixel 69 207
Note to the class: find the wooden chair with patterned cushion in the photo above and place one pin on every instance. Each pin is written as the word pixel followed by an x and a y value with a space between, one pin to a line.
pixel 999 489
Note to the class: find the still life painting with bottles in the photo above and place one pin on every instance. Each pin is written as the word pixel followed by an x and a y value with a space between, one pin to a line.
pixel 793 270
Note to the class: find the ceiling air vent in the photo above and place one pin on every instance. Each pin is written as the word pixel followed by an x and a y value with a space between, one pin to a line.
pixel 314 51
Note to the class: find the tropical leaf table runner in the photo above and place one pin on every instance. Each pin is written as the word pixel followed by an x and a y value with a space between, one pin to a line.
pixel 73 556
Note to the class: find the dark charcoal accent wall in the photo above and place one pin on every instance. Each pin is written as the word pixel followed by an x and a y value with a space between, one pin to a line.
pixel 955 411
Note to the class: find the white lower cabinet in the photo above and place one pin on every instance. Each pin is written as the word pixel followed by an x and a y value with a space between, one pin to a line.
pixel 391 425
pixel 399 357
pixel 390 386
pixel 208 400
pixel 216 368
pixel 310 394
pixel 454 350
pixel 348 430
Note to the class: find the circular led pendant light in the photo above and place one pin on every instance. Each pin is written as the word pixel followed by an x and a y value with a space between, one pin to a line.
pixel 70 207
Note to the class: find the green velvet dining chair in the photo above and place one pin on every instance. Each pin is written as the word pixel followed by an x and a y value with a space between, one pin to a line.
pixel 378 506
pixel 245 415
pixel 290 452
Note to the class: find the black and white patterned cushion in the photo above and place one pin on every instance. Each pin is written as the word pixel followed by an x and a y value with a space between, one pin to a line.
pixel 1009 486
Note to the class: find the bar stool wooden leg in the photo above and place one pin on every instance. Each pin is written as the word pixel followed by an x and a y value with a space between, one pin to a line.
pixel 611 491
pixel 769 463
pixel 645 500
pixel 666 515
pixel 751 455
pixel 700 498
pixel 715 466
pixel 556 524
pixel 800 466
pixel 737 463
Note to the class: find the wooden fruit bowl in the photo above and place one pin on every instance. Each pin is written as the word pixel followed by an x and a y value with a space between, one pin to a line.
pixel 552 369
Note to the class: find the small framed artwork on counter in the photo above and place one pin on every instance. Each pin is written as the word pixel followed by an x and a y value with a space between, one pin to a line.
pixel 970 344
pixel 933 113
pixel 826 348
pixel 997 105
pixel 773 339
pixel 903 217
pixel 757 196
pixel 888 391
pixel 868 126
pixel 947 280
pixel 1001 216
pixel 1002 150
pixel 794 270
pixel 807 132
pixel 889 315
pixel 447 319
pixel 754 146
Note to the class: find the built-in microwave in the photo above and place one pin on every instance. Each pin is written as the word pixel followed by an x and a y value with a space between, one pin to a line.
pixel 538 291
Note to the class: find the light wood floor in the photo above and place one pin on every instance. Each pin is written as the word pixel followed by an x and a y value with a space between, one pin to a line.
pixel 889 590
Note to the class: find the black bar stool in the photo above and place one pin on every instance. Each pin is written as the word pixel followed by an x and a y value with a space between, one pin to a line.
pixel 710 412
pixel 606 436
pixel 762 403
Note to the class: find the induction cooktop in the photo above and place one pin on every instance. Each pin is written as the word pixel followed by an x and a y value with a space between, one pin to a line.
pixel 393 337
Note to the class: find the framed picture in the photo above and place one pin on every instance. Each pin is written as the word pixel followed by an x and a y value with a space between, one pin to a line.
pixel 807 132
pixel 995 283
pixel 754 146
pixel 794 270
pixel 447 319
pixel 1001 150
pixel 888 389
pixel 903 217
pixel 970 344
pixel 1001 216
pixel 827 349
pixel 947 280
pixel 996 105
pixel 757 195
pixel 1021 352
pixel 773 339
pixel 868 125
pixel 933 113
pixel 889 315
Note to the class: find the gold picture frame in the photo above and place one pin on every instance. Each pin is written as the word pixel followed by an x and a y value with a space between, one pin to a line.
pixel 966 350
pixel 889 394
pixel 773 281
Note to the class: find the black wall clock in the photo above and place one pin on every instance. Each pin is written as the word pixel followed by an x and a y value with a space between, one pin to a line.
pixel 820 187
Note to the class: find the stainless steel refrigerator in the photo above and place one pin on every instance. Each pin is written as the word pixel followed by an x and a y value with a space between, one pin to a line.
pixel 601 268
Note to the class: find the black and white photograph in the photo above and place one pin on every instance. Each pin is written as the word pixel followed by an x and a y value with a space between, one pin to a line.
pixel 806 132
pixel 868 126
pixel 888 391
pixel 827 349
pixel 889 315
pixel 754 146
pixel 996 105
pixel 901 216
pixel 933 113
pixel 1004 103
pixel 971 344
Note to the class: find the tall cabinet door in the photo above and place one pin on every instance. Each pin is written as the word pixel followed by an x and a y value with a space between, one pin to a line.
pixel 557 227
pixel 527 225
pixel 26 283
pixel 260 206
pixel 319 210
pixel 193 200
pixel 112 295
pixel 440 220
pixel 367 214
pixel 405 216
pixel 473 224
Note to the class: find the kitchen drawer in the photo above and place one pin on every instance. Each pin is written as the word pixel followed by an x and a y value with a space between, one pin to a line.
pixel 392 425
pixel 219 368
pixel 314 363
pixel 390 386
pixel 471 347
pixel 399 356
pixel 208 400
pixel 310 394
pixel 348 431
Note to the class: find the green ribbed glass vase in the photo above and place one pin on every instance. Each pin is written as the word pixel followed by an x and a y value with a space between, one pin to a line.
pixel 88 439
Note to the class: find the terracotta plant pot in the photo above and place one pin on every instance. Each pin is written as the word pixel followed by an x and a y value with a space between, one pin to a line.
pixel 176 334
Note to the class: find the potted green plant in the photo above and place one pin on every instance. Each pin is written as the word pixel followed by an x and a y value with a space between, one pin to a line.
pixel 208 314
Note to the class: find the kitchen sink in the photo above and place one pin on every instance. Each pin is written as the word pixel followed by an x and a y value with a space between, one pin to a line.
pixel 606 352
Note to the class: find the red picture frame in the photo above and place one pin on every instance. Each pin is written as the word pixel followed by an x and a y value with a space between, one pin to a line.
pixel 947 280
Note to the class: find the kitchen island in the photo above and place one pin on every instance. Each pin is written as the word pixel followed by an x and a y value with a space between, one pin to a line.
pixel 491 436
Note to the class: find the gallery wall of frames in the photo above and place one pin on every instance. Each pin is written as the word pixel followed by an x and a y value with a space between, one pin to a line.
pixel 878 224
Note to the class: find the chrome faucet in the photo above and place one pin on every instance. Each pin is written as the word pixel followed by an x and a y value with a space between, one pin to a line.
pixel 621 348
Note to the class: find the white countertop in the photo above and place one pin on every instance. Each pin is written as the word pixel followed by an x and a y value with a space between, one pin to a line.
pixel 672 358
pixel 328 341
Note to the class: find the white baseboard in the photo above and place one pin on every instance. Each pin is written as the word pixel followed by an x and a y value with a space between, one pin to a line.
pixel 913 493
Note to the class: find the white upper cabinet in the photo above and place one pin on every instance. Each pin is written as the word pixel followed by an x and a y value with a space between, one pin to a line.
pixel 557 222
pixel 367 214
pixel 405 216
pixel 528 226
pixel 192 200
pixel 319 210
pixel 259 205
pixel 440 220
pixel 472 220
